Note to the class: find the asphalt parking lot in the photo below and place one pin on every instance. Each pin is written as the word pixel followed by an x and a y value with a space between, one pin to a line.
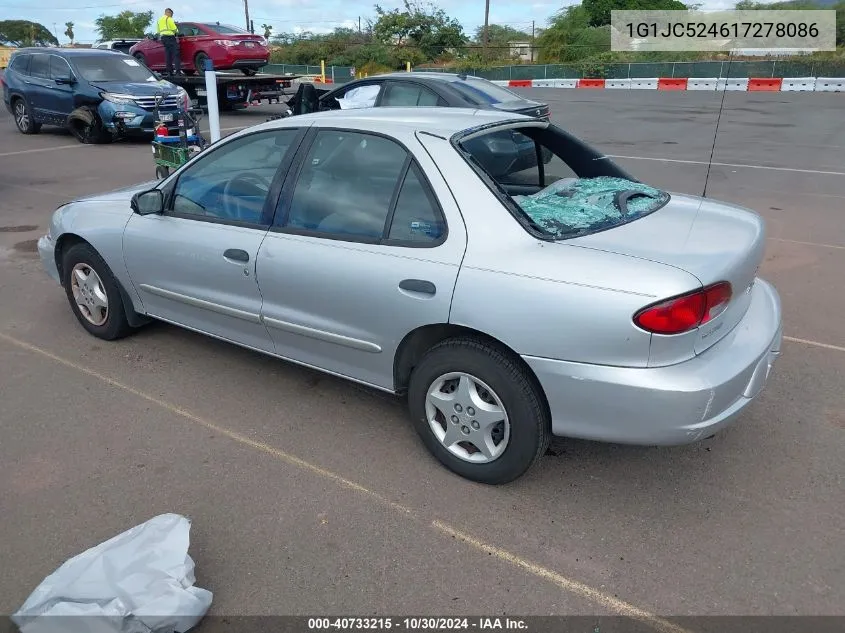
pixel 310 495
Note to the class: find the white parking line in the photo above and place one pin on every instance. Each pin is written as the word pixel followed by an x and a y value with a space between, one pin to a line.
pixel 82 146
pixel 805 341
pixel 43 149
pixel 740 165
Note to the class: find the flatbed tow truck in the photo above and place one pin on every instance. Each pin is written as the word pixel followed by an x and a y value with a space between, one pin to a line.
pixel 235 90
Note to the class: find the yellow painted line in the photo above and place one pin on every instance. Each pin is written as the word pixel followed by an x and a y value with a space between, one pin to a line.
pixel 573 586
pixel 781 239
pixel 805 341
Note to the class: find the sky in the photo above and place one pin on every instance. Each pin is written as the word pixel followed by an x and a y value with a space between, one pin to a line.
pixel 285 16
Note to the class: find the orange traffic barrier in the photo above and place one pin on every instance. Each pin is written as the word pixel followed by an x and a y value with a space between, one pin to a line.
pixel 765 85
pixel 665 83
pixel 591 83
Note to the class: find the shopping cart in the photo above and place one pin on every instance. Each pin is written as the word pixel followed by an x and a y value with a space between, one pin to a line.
pixel 172 150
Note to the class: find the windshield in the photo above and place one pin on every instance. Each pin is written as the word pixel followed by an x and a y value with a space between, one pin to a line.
pixel 99 68
pixel 481 91
pixel 571 207
pixel 225 29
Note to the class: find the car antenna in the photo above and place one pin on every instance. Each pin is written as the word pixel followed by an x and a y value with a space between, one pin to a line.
pixel 718 119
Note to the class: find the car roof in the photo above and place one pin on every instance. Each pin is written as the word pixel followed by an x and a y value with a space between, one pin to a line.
pixel 65 52
pixel 401 120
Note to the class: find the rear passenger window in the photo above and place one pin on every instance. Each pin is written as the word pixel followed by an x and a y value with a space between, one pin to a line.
pixel 417 216
pixel 39 66
pixel 20 64
pixel 409 95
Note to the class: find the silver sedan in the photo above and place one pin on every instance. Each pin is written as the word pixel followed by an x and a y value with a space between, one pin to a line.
pixel 509 280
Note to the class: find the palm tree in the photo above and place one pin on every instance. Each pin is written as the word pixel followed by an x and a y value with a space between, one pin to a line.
pixel 267 31
pixel 69 31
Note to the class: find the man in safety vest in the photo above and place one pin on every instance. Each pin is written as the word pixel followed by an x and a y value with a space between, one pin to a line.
pixel 166 30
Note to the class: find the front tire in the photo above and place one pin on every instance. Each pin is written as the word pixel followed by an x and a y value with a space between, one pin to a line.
pixel 478 411
pixel 23 117
pixel 94 293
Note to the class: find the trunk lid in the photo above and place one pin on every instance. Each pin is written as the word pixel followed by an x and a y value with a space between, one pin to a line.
pixel 711 240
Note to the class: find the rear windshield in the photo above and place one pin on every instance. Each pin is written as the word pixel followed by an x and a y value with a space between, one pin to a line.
pixel 481 91
pixel 225 29
pixel 571 207
pixel 98 68
pixel 557 185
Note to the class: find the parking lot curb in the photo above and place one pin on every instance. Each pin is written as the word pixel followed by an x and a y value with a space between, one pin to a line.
pixel 741 84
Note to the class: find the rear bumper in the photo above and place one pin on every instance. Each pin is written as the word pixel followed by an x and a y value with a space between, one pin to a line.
pixel 673 405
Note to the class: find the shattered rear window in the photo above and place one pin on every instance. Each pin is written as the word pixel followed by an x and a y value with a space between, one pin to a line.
pixel 572 207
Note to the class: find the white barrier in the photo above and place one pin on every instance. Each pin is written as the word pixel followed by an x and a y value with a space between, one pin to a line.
pixel 798 84
pixel 699 83
pixel 739 83
pixel 554 83
pixel 501 82
pixel 830 84
pixel 644 84
pixel 617 84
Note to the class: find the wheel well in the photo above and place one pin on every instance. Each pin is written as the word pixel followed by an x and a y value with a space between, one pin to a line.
pixel 415 344
pixel 67 240
pixel 62 244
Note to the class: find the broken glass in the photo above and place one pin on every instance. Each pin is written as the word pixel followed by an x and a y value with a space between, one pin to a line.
pixel 577 206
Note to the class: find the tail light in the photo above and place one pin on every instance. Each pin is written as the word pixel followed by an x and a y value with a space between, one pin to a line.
pixel 226 43
pixel 686 312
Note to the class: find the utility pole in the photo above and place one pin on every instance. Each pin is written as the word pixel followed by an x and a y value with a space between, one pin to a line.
pixel 246 13
pixel 532 41
pixel 486 24
pixel 359 25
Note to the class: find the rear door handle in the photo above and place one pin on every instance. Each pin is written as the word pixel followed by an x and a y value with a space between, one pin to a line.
pixel 236 254
pixel 418 285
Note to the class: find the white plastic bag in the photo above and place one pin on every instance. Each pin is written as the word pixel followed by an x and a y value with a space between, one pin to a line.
pixel 140 581
pixel 361 97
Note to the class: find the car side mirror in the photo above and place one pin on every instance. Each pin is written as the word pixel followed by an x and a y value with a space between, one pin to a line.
pixel 148 202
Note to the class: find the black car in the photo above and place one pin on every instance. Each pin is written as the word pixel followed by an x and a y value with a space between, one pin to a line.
pixel 509 153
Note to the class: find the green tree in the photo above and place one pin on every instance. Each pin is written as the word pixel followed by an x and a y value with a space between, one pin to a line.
pixel 499 38
pixel 268 31
pixel 25 33
pixel 422 26
pixel 124 24
pixel 570 37
pixel 599 10
pixel 69 31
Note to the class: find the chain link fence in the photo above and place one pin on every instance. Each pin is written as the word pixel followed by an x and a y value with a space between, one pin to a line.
pixel 719 69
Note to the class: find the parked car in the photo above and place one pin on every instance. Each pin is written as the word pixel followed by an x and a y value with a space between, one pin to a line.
pixel 122 45
pixel 565 299
pixel 228 47
pixel 433 89
pixel 99 95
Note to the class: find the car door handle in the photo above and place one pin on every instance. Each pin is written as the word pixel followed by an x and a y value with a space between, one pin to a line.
pixel 236 254
pixel 418 285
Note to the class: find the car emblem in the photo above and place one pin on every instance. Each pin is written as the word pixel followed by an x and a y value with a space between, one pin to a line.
pixel 538 112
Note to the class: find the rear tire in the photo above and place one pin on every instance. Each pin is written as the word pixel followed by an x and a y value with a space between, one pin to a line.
pixel 499 387
pixel 162 172
pixel 94 293
pixel 199 62
pixel 23 117
pixel 141 59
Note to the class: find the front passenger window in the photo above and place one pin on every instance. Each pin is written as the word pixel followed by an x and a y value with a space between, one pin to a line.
pixel 346 185
pixel 232 182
